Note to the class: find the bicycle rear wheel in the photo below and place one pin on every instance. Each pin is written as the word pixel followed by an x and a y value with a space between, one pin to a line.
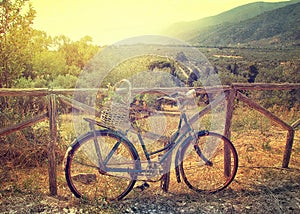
pixel 87 179
pixel 210 164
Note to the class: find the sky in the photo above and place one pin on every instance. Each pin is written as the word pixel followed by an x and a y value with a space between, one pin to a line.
pixel 110 21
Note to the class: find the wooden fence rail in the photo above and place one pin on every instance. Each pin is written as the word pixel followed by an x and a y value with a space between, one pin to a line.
pixel 232 92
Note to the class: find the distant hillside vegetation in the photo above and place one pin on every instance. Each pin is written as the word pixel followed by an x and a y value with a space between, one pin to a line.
pixel 257 23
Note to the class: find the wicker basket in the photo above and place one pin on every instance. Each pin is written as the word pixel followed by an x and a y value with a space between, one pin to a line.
pixel 114 116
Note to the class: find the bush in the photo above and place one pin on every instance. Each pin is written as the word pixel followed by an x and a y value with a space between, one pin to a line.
pixel 61 81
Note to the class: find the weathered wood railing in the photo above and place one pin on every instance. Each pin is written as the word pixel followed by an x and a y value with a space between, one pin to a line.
pixel 231 92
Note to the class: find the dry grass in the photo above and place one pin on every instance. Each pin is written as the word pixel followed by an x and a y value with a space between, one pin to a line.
pixel 261 185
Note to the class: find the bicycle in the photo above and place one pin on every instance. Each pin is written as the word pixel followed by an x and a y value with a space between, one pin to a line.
pixel 105 163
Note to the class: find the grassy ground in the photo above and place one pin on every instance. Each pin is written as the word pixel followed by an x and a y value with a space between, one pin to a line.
pixel 261 185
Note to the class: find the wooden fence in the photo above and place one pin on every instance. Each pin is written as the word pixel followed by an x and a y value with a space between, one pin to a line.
pixel 232 92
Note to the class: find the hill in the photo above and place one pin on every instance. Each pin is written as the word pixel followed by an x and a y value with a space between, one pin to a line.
pixel 257 23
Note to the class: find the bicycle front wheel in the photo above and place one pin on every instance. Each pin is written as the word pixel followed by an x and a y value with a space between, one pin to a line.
pixel 101 166
pixel 208 164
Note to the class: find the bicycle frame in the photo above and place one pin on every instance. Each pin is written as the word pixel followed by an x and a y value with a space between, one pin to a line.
pixel 180 137
pixel 116 160
pixel 183 135
pixel 176 139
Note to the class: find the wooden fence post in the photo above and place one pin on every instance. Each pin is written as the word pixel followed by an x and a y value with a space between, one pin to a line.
pixel 288 148
pixel 51 145
pixel 229 113
pixel 289 144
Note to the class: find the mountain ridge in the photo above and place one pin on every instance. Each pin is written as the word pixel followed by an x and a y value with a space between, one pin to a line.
pixel 276 27
pixel 235 25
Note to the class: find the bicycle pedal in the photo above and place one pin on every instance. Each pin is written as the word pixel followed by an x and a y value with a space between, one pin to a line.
pixel 143 186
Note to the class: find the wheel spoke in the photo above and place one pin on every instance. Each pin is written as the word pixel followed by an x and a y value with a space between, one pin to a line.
pixel 206 167
pixel 86 179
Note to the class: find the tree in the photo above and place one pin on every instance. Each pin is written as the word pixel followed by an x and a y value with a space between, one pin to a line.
pixel 15 34
pixel 253 72
pixel 48 65
pixel 235 70
pixel 76 53
pixel 284 72
pixel 58 57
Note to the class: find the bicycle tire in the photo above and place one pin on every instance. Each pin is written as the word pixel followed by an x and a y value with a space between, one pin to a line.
pixel 86 180
pixel 209 173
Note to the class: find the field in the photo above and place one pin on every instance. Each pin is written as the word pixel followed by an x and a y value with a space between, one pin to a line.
pixel 261 185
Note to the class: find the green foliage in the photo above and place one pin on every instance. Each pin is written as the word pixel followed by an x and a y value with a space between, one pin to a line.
pixel 15 34
pixel 137 70
pixel 76 53
pixel 285 72
pixel 227 78
pixel 48 65
pixel 24 83
pixel 64 81
pixel 28 54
